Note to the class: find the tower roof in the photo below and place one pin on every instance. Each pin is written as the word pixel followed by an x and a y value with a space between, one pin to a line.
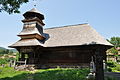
pixel 33 13
pixel 34 10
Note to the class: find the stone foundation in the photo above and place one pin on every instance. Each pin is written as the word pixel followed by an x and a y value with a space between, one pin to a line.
pixel 62 65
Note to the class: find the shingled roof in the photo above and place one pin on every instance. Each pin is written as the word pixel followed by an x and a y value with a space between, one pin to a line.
pixel 27 42
pixel 74 35
pixel 31 29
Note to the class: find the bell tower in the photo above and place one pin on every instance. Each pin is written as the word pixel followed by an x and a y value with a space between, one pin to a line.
pixel 33 25
pixel 32 32
pixel 32 36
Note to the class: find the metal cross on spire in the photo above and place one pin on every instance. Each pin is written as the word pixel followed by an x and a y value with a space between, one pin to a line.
pixel 35 2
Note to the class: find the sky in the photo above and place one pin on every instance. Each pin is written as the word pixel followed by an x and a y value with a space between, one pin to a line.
pixel 102 15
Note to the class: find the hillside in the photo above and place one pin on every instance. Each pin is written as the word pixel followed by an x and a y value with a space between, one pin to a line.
pixel 6 51
pixel 1 48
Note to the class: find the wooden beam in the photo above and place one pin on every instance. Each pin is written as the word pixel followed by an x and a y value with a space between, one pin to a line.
pixel 99 64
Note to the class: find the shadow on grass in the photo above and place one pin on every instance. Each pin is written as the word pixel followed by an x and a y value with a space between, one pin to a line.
pixel 68 74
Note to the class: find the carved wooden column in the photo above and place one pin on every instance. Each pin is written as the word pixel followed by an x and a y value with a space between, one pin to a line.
pixel 99 64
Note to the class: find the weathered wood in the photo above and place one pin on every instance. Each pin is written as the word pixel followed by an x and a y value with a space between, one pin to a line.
pixel 99 64
pixel 63 55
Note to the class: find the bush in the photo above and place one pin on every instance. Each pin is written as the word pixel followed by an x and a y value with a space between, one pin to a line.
pixel 111 64
pixel 117 68
pixel 3 61
pixel 109 69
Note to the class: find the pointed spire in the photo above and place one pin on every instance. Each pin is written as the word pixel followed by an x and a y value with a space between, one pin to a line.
pixel 33 13
pixel 34 10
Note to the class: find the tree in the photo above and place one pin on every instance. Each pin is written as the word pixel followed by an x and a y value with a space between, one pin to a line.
pixel 116 42
pixel 11 6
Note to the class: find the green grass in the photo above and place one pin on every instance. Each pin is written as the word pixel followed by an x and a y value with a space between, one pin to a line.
pixel 61 74
pixel 44 74
pixel 8 73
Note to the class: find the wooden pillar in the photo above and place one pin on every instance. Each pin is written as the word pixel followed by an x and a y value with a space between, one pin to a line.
pixel 99 64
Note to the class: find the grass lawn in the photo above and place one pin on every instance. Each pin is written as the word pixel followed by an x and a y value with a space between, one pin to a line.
pixel 43 74
pixel 8 73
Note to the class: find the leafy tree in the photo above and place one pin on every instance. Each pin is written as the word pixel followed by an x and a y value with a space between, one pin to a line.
pixel 113 50
pixel 116 42
pixel 10 52
pixel 11 6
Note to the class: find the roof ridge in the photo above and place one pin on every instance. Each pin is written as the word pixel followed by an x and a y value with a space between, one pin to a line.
pixel 66 26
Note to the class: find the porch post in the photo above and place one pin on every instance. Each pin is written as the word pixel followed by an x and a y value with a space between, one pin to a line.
pixel 99 64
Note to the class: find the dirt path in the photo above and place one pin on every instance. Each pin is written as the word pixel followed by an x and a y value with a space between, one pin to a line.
pixel 113 74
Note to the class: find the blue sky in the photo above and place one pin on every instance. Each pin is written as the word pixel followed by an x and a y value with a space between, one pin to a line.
pixel 102 15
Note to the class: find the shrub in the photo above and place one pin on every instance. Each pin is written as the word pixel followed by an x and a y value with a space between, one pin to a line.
pixel 117 68
pixel 111 64
pixel 3 61
pixel 109 69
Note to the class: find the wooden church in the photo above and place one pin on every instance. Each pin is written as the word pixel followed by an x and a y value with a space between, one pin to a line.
pixel 66 46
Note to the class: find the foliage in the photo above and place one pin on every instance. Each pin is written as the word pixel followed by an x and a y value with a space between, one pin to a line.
pixel 110 65
pixel 3 61
pixel 6 51
pixel 11 6
pixel 113 50
pixel 109 69
pixel 117 68
pixel 115 41
pixel 113 66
